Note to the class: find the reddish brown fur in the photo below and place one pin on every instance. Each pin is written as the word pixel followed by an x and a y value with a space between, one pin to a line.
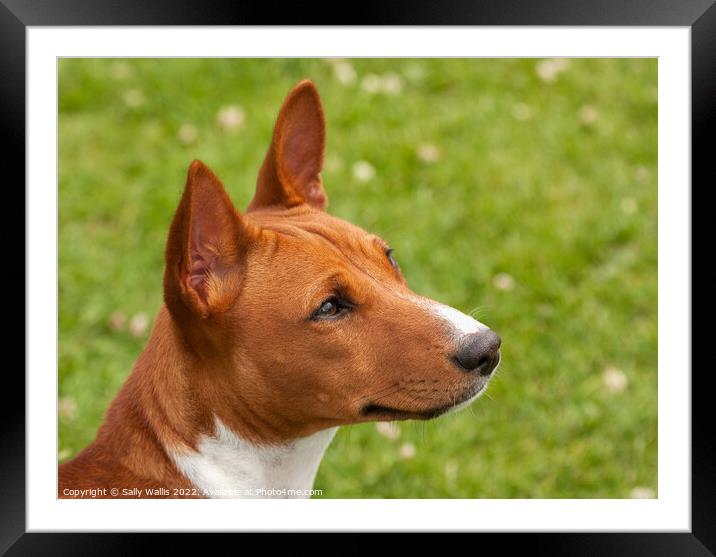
pixel 235 339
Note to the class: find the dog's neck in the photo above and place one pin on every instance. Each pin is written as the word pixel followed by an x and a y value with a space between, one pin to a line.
pixel 180 427
pixel 226 466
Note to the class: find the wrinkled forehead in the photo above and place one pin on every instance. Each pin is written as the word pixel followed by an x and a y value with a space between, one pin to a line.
pixel 321 230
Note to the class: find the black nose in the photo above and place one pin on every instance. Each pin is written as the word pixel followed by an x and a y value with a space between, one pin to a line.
pixel 479 352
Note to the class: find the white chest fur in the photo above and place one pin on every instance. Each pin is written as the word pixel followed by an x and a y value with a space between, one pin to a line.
pixel 226 466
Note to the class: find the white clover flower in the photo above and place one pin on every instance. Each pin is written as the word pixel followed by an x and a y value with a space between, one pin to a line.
pixel 187 134
pixel 231 117
pixel 344 73
pixel 363 171
pixel 588 115
pixel 429 153
pixel 133 98
pixel 642 493
pixel 614 379
pixel 503 281
pixel 407 451
pixel 371 83
pixel 67 408
pixel 521 112
pixel 138 325
pixel 389 430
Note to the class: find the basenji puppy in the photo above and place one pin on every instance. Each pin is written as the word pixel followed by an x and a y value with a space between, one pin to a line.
pixel 279 324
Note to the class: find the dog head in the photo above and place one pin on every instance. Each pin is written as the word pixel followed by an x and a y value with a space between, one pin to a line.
pixel 298 320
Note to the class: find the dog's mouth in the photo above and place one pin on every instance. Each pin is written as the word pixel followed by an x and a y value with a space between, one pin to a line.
pixel 388 413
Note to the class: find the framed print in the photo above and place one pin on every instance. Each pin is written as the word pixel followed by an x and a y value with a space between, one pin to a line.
pixel 263 261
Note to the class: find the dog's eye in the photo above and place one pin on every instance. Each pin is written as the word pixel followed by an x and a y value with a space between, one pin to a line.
pixel 393 262
pixel 332 307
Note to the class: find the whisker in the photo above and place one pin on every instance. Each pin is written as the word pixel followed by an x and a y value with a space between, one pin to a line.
pixel 377 392
pixel 395 389
pixel 370 395
pixel 472 410
pixel 477 311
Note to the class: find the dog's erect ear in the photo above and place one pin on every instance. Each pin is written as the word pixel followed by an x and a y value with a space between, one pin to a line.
pixel 206 247
pixel 290 174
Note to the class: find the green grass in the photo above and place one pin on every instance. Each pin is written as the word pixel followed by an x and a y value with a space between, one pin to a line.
pixel 552 182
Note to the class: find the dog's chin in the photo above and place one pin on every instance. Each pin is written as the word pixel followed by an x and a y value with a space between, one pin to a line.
pixel 378 412
pixel 468 402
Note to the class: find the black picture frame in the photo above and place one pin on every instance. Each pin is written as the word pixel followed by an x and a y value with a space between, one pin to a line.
pixel 16 15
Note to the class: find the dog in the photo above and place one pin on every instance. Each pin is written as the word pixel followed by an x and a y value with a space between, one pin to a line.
pixel 279 325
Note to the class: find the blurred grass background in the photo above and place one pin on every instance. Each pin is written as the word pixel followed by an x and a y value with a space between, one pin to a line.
pixel 522 190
